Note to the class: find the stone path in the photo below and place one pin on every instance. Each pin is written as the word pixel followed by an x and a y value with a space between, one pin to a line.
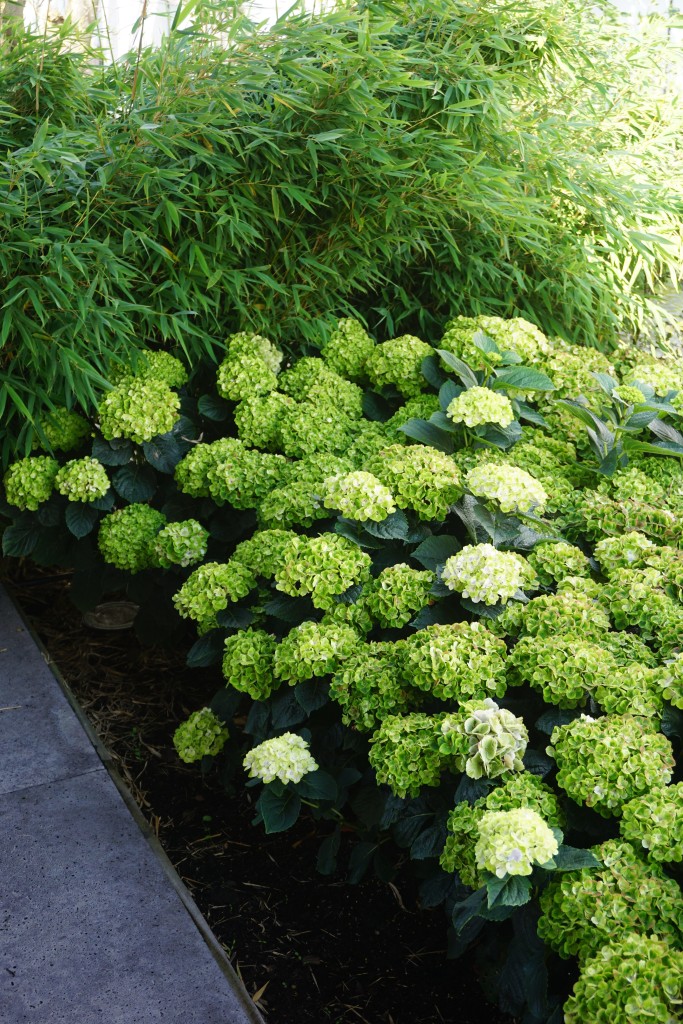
pixel 95 926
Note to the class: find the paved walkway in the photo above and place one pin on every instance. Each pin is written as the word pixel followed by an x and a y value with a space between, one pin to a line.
pixel 95 926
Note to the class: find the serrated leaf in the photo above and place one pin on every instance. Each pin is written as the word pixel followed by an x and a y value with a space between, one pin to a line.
pixel 607 383
pixel 163 453
pixel 312 694
pixel 484 342
pixel 521 378
pixel 354 532
pixel 279 811
pixel 464 372
pixel 112 453
pixel 318 785
pixel 447 392
pixel 285 710
pixel 326 861
pixel 429 434
pixel 429 843
pixel 208 650
pixel 666 432
pixel 436 550
pixel 394 527
pixel 80 519
pixel 20 539
pixel 135 482
pixel 569 858
pixel 509 891
pixel 466 909
pixel 290 609
pixel 360 861
pixel 213 408
pixel 502 437
pixel 529 415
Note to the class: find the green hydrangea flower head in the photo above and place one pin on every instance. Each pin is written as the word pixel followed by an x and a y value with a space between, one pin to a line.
pixel 637 598
pixel 463 833
pixel 483 574
pixel 286 758
pixel 263 553
pixel 479 406
pixel 139 409
pixel 369 688
pixel 629 551
pixel 296 504
pixel 82 480
pixel 600 516
pixel 564 668
pixel 64 430
pixel 655 820
pixel 369 439
pixel 458 661
pixel 308 428
pixel 313 649
pixel 670 680
pixel 348 350
pixel 515 334
pixel 324 567
pixel 421 407
pixel 608 761
pixel 355 615
pixel 526 790
pixel 164 367
pixel 582 910
pixel 420 478
pixel 554 560
pixel 244 375
pixel 512 489
pixel 245 476
pixel 359 496
pixel 566 612
pixel 127 536
pixel 628 394
pixel 570 368
pixel 202 735
pixel 397 594
pixel 248 663
pixel 259 419
pixel 182 543
pixel 511 842
pixel 29 482
pixel 307 374
pixel 191 473
pixel 404 753
pixel 632 484
pixel 631 690
pixel 399 363
pixel 245 343
pixel 210 589
pixel 315 469
pixel 661 376
pixel 636 980
pixel 627 649
pixel 493 738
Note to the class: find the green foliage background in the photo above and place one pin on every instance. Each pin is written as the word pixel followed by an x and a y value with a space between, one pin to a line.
pixel 408 161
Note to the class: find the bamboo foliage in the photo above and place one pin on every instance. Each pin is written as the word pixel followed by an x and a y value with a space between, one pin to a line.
pixel 423 158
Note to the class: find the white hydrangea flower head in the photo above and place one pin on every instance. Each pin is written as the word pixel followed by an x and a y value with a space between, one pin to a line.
pixel 514 489
pixel 478 406
pixel 511 842
pixel 497 741
pixel 483 574
pixel 359 496
pixel 285 757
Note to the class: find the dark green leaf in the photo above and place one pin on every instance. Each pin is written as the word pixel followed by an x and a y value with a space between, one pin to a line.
pixel 163 453
pixel 213 408
pixel 502 437
pixel 672 722
pixel 312 694
pixel 326 861
pixel 429 843
pixel 208 650
pixel 80 519
pixel 360 861
pixel 529 415
pixel 375 407
pixel 355 532
pixel 464 372
pixel 290 609
pixel 607 383
pixel 235 618
pixel 521 378
pixel 569 858
pixel 285 710
pixel 665 431
pixel 484 342
pixel 279 812
pixel 447 392
pixel 20 539
pixel 538 763
pixel 317 786
pixel 509 891
pixel 468 908
pixel 112 453
pixel 435 550
pixel 555 716
pixel 428 433
pixel 394 527
pixel 435 889
pixel 432 372
pixel 135 482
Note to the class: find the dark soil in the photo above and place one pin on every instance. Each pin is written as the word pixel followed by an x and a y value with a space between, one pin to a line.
pixel 307 948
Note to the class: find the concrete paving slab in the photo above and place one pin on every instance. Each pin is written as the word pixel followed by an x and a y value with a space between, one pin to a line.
pixel 41 740
pixel 92 931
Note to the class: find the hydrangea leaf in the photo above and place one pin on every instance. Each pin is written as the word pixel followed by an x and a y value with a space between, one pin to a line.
pixel 279 812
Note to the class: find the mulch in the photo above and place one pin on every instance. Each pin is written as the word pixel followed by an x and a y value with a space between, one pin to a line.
pixel 307 947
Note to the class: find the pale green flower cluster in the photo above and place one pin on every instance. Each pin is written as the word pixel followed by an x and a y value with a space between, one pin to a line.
pixel 421 407
pixel 245 343
pixel 404 752
pixel 398 363
pixel 479 406
pixel 655 820
pixel 240 376
pixel 64 430
pixel 359 496
pixel 581 910
pixel 637 597
pixel 248 663
pixel 519 790
pixel 494 739
pixel 628 551
pixel 286 758
pixel 262 553
pixel 191 473
pixel 671 681
pixel 563 668
pixel 628 394
pixel 313 649
pixel 456 661
pixel 600 516
pixel 182 543
pixel 608 761
pixel 82 480
pixel 348 349
pixel 483 574
pixel 511 842
pixel 259 419
pixel 139 409
pixel 368 687
pixel 127 537
pixel 570 368
pixel 397 594
pixel 661 376
pixel 324 567
pixel 550 615
pixel 245 476
pixel 636 980
pixel 420 478
pixel 202 735
pixel 554 560
pixel 516 335
pixel 295 504
pixel 160 366
pixel 308 429
pixel 210 589
pixel 29 482
pixel 513 489
pixel 633 689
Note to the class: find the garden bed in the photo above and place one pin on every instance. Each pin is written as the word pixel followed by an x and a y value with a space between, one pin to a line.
pixel 352 953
